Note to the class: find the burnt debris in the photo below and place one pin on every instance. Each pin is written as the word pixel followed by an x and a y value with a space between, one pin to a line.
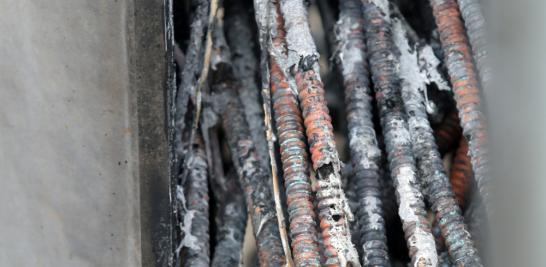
pixel 256 142
pixel 254 178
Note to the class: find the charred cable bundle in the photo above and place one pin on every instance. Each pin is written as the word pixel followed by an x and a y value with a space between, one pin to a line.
pixel 231 226
pixel 365 153
pixel 255 181
pixel 230 212
pixel 194 247
pixel 242 47
pixel 245 64
pixel 280 159
pixel 254 178
pixel 383 63
pixel 349 185
pixel 191 68
pixel 192 205
pixel 460 66
pixel 293 149
pixel 333 208
pixel 433 177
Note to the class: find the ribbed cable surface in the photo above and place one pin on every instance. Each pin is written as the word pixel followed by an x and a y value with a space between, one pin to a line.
pixel 195 250
pixel 332 205
pixel 294 157
pixel 436 183
pixel 474 22
pixel 433 177
pixel 463 77
pixel 383 66
pixel 365 153
pixel 334 211
pixel 254 178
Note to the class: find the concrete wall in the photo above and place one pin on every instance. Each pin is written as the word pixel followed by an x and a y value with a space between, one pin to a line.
pixel 72 157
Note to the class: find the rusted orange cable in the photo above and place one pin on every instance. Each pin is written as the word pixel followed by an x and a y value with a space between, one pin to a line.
pixel 294 157
pixel 333 208
pixel 463 77
pixel 448 132
pixel 461 174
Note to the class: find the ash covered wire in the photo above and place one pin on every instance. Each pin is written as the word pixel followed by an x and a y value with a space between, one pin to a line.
pixel 383 63
pixel 192 210
pixel 193 195
pixel 434 180
pixel 231 225
pixel 334 211
pixel 240 35
pixel 254 178
pixel 293 149
pixel 255 181
pixel 242 46
pixel 191 68
pixel 474 21
pixel 365 152
pixel 230 216
pixel 294 105
pixel 349 185
pixel 460 67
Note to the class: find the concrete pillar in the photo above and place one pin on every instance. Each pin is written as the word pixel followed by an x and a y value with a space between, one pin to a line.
pixel 83 145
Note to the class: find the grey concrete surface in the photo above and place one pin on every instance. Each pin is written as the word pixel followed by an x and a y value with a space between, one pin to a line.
pixel 69 192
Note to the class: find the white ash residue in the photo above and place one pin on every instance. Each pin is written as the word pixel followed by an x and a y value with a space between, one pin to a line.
pixel 409 198
pixel 418 63
pixel 411 74
pixel 363 140
pixel 298 35
pixel 402 135
pixel 261 10
pixel 383 6
pixel 340 236
pixel 372 208
pixel 430 63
